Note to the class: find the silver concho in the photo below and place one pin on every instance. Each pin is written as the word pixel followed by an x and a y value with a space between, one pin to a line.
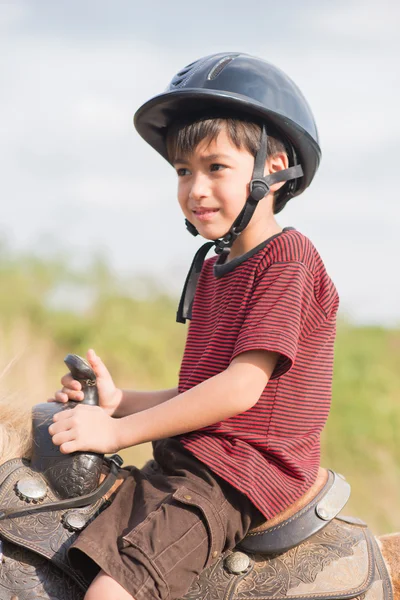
pixel 31 489
pixel 334 500
pixel 74 521
pixel 237 562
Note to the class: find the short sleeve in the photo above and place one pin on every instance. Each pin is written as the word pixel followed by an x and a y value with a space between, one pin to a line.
pixel 277 313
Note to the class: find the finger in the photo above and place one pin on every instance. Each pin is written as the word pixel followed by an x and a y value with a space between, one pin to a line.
pixel 60 396
pixel 65 394
pixel 97 364
pixel 64 436
pixel 62 415
pixel 68 447
pixel 72 394
pixel 69 382
pixel 60 426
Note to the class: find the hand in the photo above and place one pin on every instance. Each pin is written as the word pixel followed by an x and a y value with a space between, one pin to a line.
pixel 85 427
pixel 109 395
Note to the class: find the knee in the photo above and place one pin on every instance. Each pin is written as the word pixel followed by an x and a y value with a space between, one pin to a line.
pixel 105 587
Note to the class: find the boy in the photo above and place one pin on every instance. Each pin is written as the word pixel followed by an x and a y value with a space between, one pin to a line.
pixel 238 441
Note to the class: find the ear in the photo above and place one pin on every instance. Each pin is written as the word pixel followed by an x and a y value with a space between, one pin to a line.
pixel 277 162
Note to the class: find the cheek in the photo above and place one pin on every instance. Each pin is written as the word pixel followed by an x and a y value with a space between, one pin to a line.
pixel 234 194
pixel 182 195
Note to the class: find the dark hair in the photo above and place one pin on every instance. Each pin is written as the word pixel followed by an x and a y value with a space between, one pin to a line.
pixel 184 136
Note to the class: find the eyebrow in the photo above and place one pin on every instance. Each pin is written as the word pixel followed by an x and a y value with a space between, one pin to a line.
pixel 184 161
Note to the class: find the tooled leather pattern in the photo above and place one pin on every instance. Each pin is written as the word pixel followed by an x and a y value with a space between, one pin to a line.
pixel 10 466
pixel 28 576
pixel 337 562
pixel 76 477
pixel 41 532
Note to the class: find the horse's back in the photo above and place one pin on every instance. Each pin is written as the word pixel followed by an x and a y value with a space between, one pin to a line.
pixel 390 548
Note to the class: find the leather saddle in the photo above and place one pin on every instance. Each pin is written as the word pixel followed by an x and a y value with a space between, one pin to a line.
pixel 306 552
pixel 311 513
pixel 340 561
pixel 50 527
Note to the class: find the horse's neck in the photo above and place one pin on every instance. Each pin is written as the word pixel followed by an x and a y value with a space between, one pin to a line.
pixel 15 431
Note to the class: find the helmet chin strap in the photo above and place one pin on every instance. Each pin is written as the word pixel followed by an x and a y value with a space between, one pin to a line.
pixel 260 186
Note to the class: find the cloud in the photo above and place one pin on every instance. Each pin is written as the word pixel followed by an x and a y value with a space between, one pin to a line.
pixel 365 21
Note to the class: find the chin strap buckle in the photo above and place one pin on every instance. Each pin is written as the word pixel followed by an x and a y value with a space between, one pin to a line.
pixel 222 248
pixel 259 189
pixel 223 245
pixel 191 228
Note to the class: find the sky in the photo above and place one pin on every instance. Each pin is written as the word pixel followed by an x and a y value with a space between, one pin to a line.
pixel 76 176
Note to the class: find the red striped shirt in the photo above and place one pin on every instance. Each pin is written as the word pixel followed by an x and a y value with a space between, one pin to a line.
pixel 278 298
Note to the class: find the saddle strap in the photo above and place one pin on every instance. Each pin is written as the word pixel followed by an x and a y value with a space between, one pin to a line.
pixel 114 462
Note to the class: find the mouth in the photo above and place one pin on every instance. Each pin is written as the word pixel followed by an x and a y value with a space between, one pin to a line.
pixel 205 214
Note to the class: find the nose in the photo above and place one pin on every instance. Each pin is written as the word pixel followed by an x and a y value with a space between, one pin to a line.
pixel 199 186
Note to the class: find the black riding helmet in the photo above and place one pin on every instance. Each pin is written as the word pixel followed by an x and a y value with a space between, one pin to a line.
pixel 247 86
pixel 241 85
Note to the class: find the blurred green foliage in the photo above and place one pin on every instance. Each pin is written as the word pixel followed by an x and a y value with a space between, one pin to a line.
pixel 131 325
pixel 136 336
pixel 362 437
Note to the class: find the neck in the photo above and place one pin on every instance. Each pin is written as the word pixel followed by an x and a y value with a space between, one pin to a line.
pixel 253 236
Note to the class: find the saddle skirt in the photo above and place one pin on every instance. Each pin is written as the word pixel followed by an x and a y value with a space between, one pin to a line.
pixel 342 561
pixel 46 533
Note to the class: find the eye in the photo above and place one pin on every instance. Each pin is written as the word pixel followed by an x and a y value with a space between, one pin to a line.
pixel 217 167
pixel 182 172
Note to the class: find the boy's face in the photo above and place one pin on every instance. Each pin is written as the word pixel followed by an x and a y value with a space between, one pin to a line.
pixel 213 185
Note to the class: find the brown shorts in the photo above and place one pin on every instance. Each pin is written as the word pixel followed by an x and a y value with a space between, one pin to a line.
pixel 168 522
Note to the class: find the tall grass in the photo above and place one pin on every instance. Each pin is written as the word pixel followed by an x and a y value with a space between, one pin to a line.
pixel 41 321
pixel 362 438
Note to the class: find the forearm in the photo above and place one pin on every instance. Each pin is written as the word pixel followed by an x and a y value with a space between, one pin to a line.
pixel 229 393
pixel 216 399
pixel 133 401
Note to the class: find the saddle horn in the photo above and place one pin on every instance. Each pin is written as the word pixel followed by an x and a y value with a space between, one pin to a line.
pixel 74 474
pixel 83 372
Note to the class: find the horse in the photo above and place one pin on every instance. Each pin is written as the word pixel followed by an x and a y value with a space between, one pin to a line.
pixel 308 552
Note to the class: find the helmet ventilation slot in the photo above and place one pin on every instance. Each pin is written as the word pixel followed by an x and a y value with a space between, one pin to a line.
pixel 216 70
pixel 180 78
pixel 185 70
